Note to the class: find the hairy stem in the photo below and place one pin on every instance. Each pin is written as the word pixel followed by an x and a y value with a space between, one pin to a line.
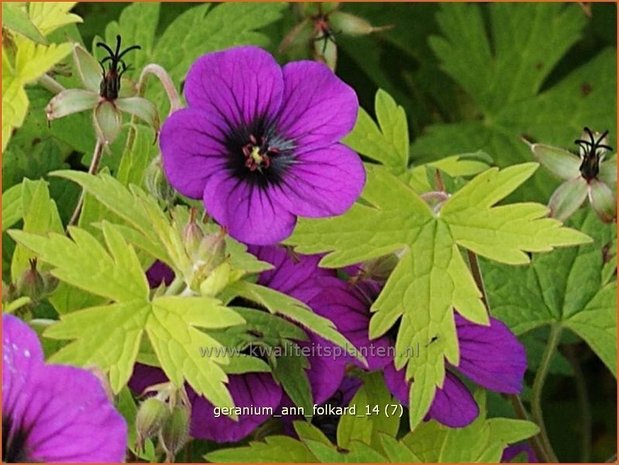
pixel 92 169
pixel 519 408
pixel 538 386
pixel 583 403
pixel 166 82
pixel 50 84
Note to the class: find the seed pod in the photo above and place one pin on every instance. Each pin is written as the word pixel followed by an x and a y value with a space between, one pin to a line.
pixel 175 431
pixel 31 283
pixel 152 414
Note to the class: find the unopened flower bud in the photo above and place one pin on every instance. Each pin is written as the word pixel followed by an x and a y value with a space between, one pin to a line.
pixel 152 414
pixel 31 283
pixel 211 253
pixel 156 182
pixel 352 25
pixel 175 430
pixel 192 234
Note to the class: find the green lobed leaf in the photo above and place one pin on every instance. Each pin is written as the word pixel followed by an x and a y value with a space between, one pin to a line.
pixel 504 71
pixel 394 218
pixel 564 287
pixel 40 216
pixel 387 141
pixel 11 206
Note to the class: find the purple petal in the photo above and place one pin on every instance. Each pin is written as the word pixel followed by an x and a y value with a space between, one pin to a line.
pixel 326 369
pixel 453 405
pixel 71 419
pixel 514 450
pixel 145 376
pixel 238 84
pixel 291 271
pixel 318 107
pixel 255 390
pixel 396 383
pixel 491 355
pixel 192 149
pixel 349 308
pixel 21 356
pixel 325 181
pixel 251 214
pixel 159 273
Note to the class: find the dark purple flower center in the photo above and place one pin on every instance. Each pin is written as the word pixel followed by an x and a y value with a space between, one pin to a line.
pixel 14 439
pixel 257 154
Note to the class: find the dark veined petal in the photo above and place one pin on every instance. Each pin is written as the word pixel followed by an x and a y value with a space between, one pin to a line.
pixel 251 214
pixel 325 182
pixel 70 418
pixel 238 84
pixel 491 355
pixel 318 108
pixel 257 390
pixel 291 271
pixel 453 404
pixel 348 307
pixel 192 149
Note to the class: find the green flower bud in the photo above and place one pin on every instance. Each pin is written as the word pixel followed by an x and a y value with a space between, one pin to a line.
pixel 157 184
pixel 175 431
pixel 211 253
pixel 192 234
pixel 31 283
pixel 352 25
pixel 152 414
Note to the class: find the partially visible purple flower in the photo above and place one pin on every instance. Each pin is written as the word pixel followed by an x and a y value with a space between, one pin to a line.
pixel 512 451
pixel 491 356
pixel 159 273
pixel 297 276
pixel 53 413
pixel 260 143
pixel 247 390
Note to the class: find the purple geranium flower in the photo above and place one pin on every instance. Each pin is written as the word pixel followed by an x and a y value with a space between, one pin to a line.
pixel 260 143
pixel 53 413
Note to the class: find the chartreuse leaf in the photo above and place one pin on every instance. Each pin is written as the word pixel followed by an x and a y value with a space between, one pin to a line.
pixel 386 142
pixel 15 18
pixel 501 54
pixel 368 425
pixel 290 372
pixel 485 438
pixel 109 336
pixel 151 230
pixel 40 216
pixel 28 60
pixel 566 287
pixel 274 448
pixel 432 278
pixel 11 206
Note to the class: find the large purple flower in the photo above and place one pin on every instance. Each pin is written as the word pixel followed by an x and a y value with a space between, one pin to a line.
pixel 53 413
pixel 260 143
